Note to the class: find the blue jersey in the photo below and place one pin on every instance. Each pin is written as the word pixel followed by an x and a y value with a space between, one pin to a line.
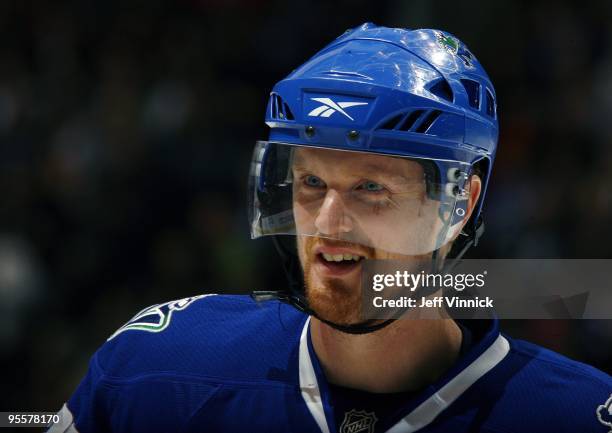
pixel 228 364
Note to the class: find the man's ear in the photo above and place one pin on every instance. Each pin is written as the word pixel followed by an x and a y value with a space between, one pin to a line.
pixel 474 194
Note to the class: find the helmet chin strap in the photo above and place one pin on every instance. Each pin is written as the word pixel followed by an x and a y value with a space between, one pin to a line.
pixel 294 294
pixel 299 302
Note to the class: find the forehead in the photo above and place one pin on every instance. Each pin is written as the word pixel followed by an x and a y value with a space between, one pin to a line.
pixel 358 163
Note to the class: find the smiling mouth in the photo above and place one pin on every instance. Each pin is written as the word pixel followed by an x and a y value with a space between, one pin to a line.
pixel 339 264
pixel 340 258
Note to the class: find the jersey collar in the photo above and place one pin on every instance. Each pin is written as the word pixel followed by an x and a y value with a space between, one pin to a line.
pixel 485 354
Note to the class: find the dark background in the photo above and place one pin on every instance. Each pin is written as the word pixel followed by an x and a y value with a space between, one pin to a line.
pixel 125 134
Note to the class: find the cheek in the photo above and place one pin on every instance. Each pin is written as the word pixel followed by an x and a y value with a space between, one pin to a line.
pixel 300 249
pixel 300 218
pixel 304 245
pixel 386 255
pixel 298 213
pixel 304 216
pixel 406 234
pixel 418 258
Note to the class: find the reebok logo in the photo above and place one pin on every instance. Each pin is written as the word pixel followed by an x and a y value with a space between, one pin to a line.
pixel 330 107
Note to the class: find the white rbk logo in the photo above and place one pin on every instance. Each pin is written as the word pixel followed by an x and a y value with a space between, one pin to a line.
pixel 329 107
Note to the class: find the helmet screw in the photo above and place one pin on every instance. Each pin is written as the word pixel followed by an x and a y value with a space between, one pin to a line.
pixel 310 131
pixel 353 135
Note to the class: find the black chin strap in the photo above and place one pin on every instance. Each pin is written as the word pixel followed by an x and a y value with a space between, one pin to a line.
pixel 300 303
pixel 295 297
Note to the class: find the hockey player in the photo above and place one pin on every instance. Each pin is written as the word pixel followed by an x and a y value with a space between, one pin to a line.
pixel 381 147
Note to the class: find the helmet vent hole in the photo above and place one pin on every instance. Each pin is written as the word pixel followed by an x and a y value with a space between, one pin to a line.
pixel 472 88
pixel 392 123
pixel 288 113
pixel 490 104
pixel 428 121
pixel 419 121
pixel 442 89
pixel 279 109
pixel 410 120
pixel 274 106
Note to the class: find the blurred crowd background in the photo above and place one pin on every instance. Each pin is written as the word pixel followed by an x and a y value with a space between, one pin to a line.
pixel 125 136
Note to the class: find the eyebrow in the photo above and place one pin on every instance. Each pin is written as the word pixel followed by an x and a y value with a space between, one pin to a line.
pixel 377 169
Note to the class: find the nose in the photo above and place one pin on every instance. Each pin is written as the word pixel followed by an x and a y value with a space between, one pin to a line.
pixel 332 218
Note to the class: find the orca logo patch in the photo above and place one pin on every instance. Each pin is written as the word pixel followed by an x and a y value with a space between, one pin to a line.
pixel 156 318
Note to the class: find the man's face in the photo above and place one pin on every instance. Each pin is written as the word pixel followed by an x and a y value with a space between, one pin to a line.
pixel 356 206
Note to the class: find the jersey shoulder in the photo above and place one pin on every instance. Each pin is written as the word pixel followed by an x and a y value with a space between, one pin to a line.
pixel 211 337
pixel 562 368
pixel 549 390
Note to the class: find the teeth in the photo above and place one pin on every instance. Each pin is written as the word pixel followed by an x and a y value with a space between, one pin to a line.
pixel 340 257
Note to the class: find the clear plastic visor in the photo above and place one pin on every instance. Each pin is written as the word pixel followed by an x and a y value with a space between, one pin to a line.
pixel 393 204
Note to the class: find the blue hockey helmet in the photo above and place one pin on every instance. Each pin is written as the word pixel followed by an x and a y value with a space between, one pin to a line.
pixel 420 94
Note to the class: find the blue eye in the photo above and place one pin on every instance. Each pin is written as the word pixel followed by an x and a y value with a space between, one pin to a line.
pixel 370 186
pixel 313 181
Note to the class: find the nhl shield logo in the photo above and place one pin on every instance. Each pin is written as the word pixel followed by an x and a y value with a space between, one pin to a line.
pixel 358 421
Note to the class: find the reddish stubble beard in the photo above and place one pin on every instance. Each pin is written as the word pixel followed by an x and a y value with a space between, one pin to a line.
pixel 337 300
